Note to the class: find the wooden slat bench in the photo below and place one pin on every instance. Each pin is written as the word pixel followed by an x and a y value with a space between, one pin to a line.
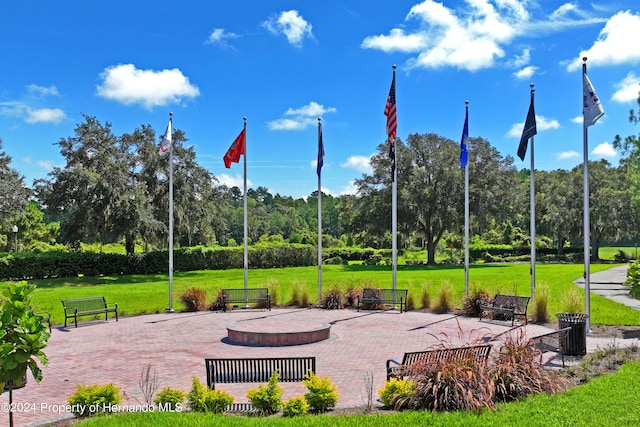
pixel 87 307
pixel 507 306
pixel 553 341
pixel 291 369
pixel 246 296
pixel 478 354
pixel 375 298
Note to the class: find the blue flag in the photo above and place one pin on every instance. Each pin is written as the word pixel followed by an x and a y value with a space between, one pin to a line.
pixel 464 153
pixel 320 151
pixel 528 131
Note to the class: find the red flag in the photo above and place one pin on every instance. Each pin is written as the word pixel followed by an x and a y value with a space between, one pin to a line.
pixel 237 149
pixel 390 112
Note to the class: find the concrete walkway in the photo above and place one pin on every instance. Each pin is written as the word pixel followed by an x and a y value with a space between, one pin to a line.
pixel 176 344
pixel 608 283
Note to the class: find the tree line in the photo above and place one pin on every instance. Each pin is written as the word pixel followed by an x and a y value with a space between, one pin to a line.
pixel 114 189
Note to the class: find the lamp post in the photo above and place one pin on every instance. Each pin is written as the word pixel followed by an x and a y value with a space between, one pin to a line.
pixel 15 233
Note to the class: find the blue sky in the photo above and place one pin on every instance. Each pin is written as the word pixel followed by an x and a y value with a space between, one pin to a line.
pixel 283 64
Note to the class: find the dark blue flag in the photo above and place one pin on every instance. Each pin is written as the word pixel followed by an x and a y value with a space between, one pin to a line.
pixel 528 131
pixel 464 153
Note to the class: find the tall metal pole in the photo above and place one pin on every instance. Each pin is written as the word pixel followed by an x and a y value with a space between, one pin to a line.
pixel 466 211
pixel 586 218
pixel 246 224
pixel 171 215
pixel 320 152
pixel 394 216
pixel 532 219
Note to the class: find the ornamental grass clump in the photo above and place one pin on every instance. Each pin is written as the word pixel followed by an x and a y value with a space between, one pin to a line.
pixel 517 371
pixel 332 300
pixel 194 299
pixel 472 303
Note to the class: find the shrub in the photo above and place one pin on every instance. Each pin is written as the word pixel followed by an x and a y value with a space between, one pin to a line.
pixel 218 303
pixel 267 398
pixel 94 399
pixel 170 399
pixel 541 305
pixel 299 294
pixel 397 393
pixel 517 372
pixel 571 301
pixel 472 302
pixel 351 296
pixel 294 407
pixel 451 384
pixel 202 399
pixel 633 279
pixel 410 305
pixel 336 260
pixel 425 296
pixel 194 299
pixel 322 393
pixel 332 300
pixel 444 304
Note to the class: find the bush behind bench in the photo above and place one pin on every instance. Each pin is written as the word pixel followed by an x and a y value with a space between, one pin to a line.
pixel 24 266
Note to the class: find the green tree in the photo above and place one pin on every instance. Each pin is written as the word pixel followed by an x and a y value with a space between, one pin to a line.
pixel 13 197
pixel 630 146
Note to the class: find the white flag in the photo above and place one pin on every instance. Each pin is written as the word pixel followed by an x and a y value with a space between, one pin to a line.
pixel 166 140
pixel 591 107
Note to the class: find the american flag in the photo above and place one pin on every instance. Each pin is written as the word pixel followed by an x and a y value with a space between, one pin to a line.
pixel 390 112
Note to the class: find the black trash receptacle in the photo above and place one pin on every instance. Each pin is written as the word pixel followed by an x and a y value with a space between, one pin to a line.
pixel 576 344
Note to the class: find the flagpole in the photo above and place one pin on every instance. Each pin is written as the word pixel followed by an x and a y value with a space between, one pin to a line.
pixel 532 219
pixel 246 226
pixel 394 215
pixel 171 217
pixel 320 147
pixel 466 211
pixel 586 219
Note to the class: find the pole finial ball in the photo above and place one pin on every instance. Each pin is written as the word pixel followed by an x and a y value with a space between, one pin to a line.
pixel 466 102
pixel 531 85
pixel 394 66
pixel 584 58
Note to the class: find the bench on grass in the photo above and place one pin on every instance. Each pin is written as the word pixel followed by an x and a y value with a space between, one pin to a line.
pixel 375 298
pixel 477 354
pixel 87 307
pixel 553 341
pixel 246 297
pixel 506 306
pixel 291 369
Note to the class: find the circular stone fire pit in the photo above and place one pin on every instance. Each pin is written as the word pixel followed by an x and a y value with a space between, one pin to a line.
pixel 272 333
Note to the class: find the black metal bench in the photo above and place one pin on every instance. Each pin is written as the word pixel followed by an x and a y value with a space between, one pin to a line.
pixel 246 296
pixel 507 307
pixel 90 306
pixel 375 298
pixel 555 341
pixel 477 354
pixel 291 369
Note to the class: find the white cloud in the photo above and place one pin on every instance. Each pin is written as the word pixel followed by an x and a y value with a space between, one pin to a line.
pixel 126 84
pixel 291 24
pixel 349 189
pixel 47 165
pixel 44 115
pixel 220 37
pixel 604 150
pixel 474 35
pixel 232 181
pixel 577 120
pixel 359 163
pixel 397 40
pixel 526 73
pixel 300 118
pixel 615 44
pixel 628 89
pixel 42 91
pixel 467 38
pixel 567 155
pixel 542 124
pixel 522 60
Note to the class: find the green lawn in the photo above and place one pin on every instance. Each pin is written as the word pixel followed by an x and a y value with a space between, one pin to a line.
pixel 150 294
pixel 605 401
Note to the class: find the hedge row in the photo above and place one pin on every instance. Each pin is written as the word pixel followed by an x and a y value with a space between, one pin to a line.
pixel 24 266
pixel 477 252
